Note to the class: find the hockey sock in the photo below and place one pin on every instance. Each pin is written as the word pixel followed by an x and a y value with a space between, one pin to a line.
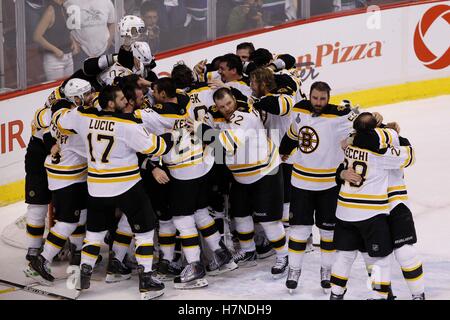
pixel 327 248
pixel 285 218
pixel 178 252
pixel 56 239
pixel 207 226
pixel 36 224
pixel 408 258
pixel 91 247
pixel 246 232
pixel 298 237
pixel 219 218
pixel 77 237
pixel 144 249
pixel 381 277
pixel 122 238
pixel 277 236
pixel 341 270
pixel 166 238
pixel 190 241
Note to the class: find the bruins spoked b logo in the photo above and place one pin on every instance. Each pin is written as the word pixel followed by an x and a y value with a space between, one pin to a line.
pixel 308 139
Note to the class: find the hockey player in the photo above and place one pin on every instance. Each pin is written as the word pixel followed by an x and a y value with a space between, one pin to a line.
pixel 363 207
pixel 231 73
pixel 189 165
pixel 111 141
pixel 67 173
pixel 257 187
pixel 400 219
pixel 244 50
pixel 316 130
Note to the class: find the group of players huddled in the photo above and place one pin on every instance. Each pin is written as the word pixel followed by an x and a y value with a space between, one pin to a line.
pixel 233 146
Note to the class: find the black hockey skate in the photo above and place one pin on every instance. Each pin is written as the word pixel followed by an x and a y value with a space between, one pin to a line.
pixel 280 268
pixel 85 277
pixel 292 279
pixel 264 250
pixel 418 296
pixel 116 271
pixel 222 261
pixel 166 271
pixel 149 286
pixel 192 276
pixel 334 296
pixel 245 259
pixel 33 253
pixel 40 271
pixel 325 276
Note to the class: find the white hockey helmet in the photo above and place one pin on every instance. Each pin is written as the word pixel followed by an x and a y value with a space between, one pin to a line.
pixel 77 88
pixel 131 26
pixel 142 52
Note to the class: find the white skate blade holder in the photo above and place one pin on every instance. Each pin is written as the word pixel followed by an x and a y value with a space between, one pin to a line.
pixel 225 268
pixel 199 283
pixel 149 295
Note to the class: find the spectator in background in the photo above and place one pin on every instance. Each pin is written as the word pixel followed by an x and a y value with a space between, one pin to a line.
pixel 54 37
pixel 96 31
pixel 224 8
pixel 340 5
pixel 175 14
pixel 274 12
pixel 149 14
pixel 197 11
pixel 245 16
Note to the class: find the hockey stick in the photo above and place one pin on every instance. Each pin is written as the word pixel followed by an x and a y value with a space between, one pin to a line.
pixel 30 288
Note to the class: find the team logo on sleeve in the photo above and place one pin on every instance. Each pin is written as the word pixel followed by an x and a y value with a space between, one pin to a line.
pixel 308 139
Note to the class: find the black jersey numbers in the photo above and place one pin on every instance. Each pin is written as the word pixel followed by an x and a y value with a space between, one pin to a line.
pixel 106 151
pixel 236 119
pixel 360 168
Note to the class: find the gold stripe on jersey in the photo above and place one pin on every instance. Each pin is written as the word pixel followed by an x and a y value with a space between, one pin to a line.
pixel 229 140
pixel 158 147
pixel 93 116
pixel 286 104
pixel 245 170
pixel 39 118
pixel 66 172
pixel 383 138
pixel 64 168
pixel 66 176
pixel 121 174
pixel 324 115
pixel 363 201
pixel 313 174
pixel 292 133
pixel 410 159
pixel 58 115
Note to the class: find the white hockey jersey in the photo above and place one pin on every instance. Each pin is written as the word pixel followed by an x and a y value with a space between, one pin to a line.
pixel 250 154
pixel 397 192
pixel 41 122
pixel 69 166
pixel 319 144
pixel 370 198
pixel 241 86
pixel 188 159
pixel 111 142
pixel 106 77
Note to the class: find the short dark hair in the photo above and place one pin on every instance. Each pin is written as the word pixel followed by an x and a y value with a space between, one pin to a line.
pixel 108 93
pixel 146 7
pixel 221 93
pixel 320 86
pixel 167 85
pixel 182 76
pixel 246 45
pixel 233 62
pixel 261 57
pixel 131 79
pixel 129 91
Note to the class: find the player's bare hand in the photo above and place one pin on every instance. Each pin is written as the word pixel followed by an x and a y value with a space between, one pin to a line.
pixel 344 144
pixel 200 67
pixel 393 125
pixel 160 175
pixel 378 117
pixel 351 176
pixel 55 149
pixel 59 53
pixel 285 157
pixel 216 83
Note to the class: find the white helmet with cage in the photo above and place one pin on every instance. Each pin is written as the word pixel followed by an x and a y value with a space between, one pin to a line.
pixel 131 26
pixel 77 88
pixel 142 52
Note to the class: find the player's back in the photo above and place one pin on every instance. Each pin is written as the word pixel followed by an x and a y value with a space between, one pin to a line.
pixel 370 197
